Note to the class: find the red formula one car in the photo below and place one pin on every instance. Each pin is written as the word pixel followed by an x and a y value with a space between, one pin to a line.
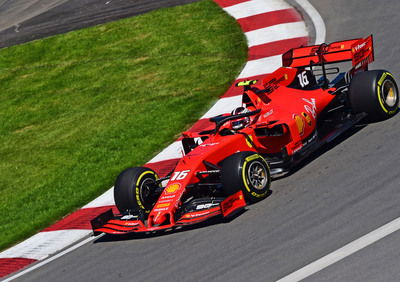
pixel 285 117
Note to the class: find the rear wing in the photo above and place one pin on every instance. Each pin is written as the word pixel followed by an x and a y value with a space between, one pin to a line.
pixel 360 51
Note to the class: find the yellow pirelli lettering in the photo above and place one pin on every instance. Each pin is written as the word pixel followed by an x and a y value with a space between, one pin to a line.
pixel 244 175
pixel 252 157
pixel 138 188
pixel 381 80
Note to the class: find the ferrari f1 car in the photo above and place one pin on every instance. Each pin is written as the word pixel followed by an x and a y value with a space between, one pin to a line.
pixel 284 117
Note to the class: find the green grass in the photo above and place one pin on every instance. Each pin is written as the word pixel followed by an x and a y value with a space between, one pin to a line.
pixel 77 108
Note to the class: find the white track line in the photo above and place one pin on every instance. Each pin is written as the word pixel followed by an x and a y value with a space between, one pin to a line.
pixel 43 244
pixel 343 252
pixel 318 22
pixel 40 264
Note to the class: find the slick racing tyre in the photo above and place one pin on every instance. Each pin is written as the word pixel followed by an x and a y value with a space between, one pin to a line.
pixel 375 93
pixel 134 189
pixel 246 171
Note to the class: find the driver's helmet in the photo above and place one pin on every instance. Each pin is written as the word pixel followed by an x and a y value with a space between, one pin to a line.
pixel 240 123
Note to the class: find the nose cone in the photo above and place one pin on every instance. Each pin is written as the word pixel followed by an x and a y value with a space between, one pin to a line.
pixel 159 218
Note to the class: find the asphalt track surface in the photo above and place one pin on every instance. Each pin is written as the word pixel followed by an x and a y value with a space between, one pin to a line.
pixel 27 20
pixel 345 192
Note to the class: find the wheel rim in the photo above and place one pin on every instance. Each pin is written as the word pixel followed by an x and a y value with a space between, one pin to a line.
pixel 257 175
pixel 389 93
pixel 145 191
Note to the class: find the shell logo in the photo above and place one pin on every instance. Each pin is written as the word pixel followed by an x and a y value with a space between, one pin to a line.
pixel 307 118
pixel 173 188
pixel 300 124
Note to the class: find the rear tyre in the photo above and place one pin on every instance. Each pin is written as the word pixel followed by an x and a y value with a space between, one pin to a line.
pixel 134 189
pixel 375 93
pixel 246 171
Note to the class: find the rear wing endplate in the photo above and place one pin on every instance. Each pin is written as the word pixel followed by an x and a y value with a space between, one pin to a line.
pixel 360 51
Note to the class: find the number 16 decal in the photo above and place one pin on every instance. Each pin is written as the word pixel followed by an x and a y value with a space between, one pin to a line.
pixel 303 79
pixel 179 175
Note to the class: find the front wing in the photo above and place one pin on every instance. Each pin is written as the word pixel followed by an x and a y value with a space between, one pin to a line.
pixel 109 223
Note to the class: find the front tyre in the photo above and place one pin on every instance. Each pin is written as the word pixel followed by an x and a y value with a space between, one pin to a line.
pixel 375 93
pixel 246 171
pixel 134 189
